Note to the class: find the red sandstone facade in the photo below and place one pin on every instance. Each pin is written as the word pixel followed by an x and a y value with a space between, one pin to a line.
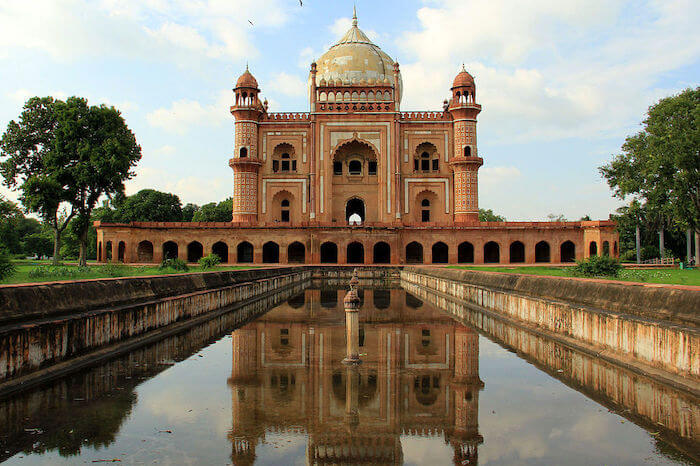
pixel 355 180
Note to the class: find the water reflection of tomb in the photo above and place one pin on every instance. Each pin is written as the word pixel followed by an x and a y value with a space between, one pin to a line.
pixel 419 376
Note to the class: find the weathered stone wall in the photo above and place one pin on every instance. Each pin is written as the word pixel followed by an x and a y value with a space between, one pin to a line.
pixel 673 413
pixel 33 344
pixel 604 315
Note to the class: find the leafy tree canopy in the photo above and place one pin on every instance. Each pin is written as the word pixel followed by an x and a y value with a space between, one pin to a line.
pixel 215 212
pixel 660 166
pixel 148 205
pixel 489 216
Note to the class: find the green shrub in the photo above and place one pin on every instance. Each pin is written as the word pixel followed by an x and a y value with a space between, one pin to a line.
pixel 210 261
pixel 175 264
pixel 58 271
pixel 7 268
pixel 114 270
pixel 598 266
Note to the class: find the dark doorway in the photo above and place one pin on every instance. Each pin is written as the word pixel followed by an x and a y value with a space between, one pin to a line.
pixel 414 253
pixel 593 249
pixel 382 253
pixel 492 253
pixel 356 253
pixel 296 253
pixel 355 206
pixel 568 251
pixel 170 250
pixel 517 252
pixel 195 251
pixel 221 250
pixel 271 253
pixel 329 253
pixel 144 252
pixel 108 251
pixel 121 250
pixel 440 253
pixel 465 253
pixel 606 248
pixel 542 252
pixel 244 252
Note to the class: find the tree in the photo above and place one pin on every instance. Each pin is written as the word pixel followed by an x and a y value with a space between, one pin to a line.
pixel 32 165
pixel 660 166
pixel 103 151
pixel 188 212
pixel 10 217
pixel 556 218
pixel 489 216
pixel 215 212
pixel 149 205
pixel 67 154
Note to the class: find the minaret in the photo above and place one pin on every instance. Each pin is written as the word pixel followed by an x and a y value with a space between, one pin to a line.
pixel 245 163
pixel 465 162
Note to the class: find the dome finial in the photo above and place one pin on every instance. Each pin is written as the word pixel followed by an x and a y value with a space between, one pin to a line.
pixel 463 68
pixel 354 15
pixel 246 65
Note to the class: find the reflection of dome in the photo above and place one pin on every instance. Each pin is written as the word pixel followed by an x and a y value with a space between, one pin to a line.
pixel 463 79
pixel 247 80
pixel 355 60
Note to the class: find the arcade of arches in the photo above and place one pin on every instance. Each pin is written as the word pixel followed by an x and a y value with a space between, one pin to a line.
pixel 350 245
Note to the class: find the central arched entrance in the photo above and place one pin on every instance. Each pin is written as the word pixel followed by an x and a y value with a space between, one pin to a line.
pixel 355 211
pixel 356 253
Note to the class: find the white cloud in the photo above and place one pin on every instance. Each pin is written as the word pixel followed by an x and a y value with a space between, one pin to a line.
pixel 184 114
pixel 287 84
pixel 196 189
pixel 341 25
pixel 550 71
pixel 495 176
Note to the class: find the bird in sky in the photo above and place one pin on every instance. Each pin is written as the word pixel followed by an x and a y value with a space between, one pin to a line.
pixel 251 23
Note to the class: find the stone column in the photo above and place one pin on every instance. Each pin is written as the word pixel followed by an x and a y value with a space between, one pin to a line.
pixel 351 303
pixel 466 188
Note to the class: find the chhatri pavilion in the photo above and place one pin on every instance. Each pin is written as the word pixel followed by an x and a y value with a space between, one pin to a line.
pixel 355 180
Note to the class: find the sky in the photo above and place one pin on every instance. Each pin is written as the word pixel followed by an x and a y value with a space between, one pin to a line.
pixel 561 83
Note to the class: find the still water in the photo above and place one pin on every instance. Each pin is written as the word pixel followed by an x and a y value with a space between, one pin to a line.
pixel 431 390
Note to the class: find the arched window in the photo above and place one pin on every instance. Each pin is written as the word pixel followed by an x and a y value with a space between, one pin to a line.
pixel 220 249
pixel 284 159
pixel 296 253
pixel 465 253
pixel 355 167
pixel 195 251
pixel 425 210
pixel 517 252
pixel 414 253
pixel 467 151
pixel 170 250
pixel 492 253
pixel 425 162
pixel 244 252
pixel 593 249
pixel 243 152
pixel 355 253
pixel 426 158
pixel 542 252
pixel 382 253
pixel 144 251
pixel 271 253
pixel 121 251
pixel 440 253
pixel 284 210
pixel 568 251
pixel 329 253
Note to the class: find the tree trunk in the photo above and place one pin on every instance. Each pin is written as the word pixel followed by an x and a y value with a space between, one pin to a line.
pixel 82 260
pixel 688 244
pixel 661 244
pixel 697 247
pixel 637 244
pixel 56 246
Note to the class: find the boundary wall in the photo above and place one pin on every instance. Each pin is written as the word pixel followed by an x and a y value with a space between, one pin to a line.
pixel 74 327
pixel 656 326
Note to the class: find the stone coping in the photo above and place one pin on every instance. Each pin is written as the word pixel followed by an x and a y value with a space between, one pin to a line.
pixel 671 303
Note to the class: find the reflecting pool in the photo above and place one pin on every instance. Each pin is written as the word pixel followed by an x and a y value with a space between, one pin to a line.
pixel 430 390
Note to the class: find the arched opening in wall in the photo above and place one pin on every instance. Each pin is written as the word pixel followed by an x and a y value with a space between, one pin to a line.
pixel 568 251
pixel 220 249
pixel 271 253
pixel 329 298
pixel 593 249
pixel 355 167
pixel 381 253
pixel 244 253
pixel 414 253
pixel 517 252
pixel 615 249
pixel 381 299
pixel 440 253
pixel 296 253
pixel 412 301
pixel 243 152
pixel 465 253
pixel 426 389
pixel 329 253
pixel 542 252
pixel 297 301
pixel 108 251
pixel 99 251
pixel 426 158
pixel 144 251
pixel 121 250
pixel 170 250
pixel 492 253
pixel 467 151
pixel 606 248
pixel 355 253
pixel 284 158
pixel 355 208
pixel 195 251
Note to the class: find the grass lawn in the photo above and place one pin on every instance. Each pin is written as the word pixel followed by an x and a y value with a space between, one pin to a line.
pixel 70 271
pixel 667 276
